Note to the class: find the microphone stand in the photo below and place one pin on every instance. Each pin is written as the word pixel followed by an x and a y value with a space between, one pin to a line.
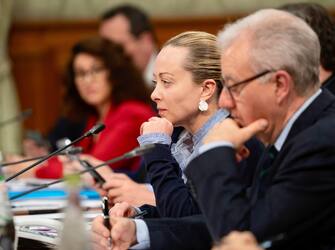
pixel 18 117
pixel 133 153
pixel 96 129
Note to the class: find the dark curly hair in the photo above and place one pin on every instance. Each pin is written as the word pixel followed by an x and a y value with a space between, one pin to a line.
pixel 127 82
pixel 323 25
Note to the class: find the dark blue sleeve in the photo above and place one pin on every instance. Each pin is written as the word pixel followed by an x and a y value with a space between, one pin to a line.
pixel 152 211
pixel 179 233
pixel 173 197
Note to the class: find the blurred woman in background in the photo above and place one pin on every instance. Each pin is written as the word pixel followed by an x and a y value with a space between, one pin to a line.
pixel 103 85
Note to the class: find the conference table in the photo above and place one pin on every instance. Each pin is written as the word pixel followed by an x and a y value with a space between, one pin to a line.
pixel 38 216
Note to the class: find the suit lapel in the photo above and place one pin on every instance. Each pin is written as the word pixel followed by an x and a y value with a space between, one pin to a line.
pixel 305 120
pixel 311 114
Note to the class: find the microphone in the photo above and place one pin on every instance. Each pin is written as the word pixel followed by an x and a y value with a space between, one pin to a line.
pixel 23 115
pixel 69 151
pixel 94 130
pixel 133 153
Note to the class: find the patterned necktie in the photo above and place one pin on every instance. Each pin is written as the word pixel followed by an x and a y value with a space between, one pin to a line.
pixel 265 165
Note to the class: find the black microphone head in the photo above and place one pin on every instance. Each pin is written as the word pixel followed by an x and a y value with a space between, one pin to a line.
pixel 95 129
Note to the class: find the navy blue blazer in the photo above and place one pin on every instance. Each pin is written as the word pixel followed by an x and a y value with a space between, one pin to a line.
pixel 299 198
pixel 173 197
pixel 187 233
pixel 330 84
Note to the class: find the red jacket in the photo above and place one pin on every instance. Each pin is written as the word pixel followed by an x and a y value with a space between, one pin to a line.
pixel 120 135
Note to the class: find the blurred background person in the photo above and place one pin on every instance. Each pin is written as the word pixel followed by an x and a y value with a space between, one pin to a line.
pixel 324 26
pixel 131 27
pixel 103 85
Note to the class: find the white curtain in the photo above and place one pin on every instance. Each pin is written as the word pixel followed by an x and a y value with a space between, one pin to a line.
pixel 10 135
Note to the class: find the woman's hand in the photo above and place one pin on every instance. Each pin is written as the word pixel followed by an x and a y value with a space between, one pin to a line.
pixel 157 125
pixel 121 188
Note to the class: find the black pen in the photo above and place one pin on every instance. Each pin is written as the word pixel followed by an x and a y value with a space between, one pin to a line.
pixel 105 211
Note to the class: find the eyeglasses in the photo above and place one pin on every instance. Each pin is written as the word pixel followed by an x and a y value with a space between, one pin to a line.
pixel 232 90
pixel 94 72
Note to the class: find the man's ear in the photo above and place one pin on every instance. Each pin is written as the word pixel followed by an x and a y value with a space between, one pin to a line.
pixel 283 85
pixel 146 38
pixel 208 89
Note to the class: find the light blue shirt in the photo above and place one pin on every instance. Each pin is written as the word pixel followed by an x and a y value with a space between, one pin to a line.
pixel 187 146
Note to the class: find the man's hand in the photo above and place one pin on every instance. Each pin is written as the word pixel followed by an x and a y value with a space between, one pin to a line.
pixel 122 209
pixel 121 188
pixel 123 233
pixel 157 125
pixel 238 241
pixel 100 234
pixel 228 130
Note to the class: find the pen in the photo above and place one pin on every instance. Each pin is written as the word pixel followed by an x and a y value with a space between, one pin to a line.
pixel 105 211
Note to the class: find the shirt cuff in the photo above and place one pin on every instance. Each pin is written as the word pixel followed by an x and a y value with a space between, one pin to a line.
pixel 161 138
pixel 142 235
pixel 209 146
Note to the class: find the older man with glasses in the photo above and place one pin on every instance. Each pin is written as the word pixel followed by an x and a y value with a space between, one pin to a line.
pixel 270 64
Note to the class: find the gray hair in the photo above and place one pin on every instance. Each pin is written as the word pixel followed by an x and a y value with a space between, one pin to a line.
pixel 278 40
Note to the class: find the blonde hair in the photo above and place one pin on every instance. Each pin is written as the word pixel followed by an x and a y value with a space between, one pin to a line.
pixel 203 59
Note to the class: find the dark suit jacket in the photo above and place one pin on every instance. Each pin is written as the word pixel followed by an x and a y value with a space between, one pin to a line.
pixel 299 200
pixel 173 197
pixel 188 233
pixel 330 84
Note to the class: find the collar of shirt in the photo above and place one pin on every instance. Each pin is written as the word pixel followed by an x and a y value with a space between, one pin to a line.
pixel 283 135
pixel 217 117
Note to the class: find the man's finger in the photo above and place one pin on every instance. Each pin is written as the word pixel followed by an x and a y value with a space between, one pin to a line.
pixel 253 128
